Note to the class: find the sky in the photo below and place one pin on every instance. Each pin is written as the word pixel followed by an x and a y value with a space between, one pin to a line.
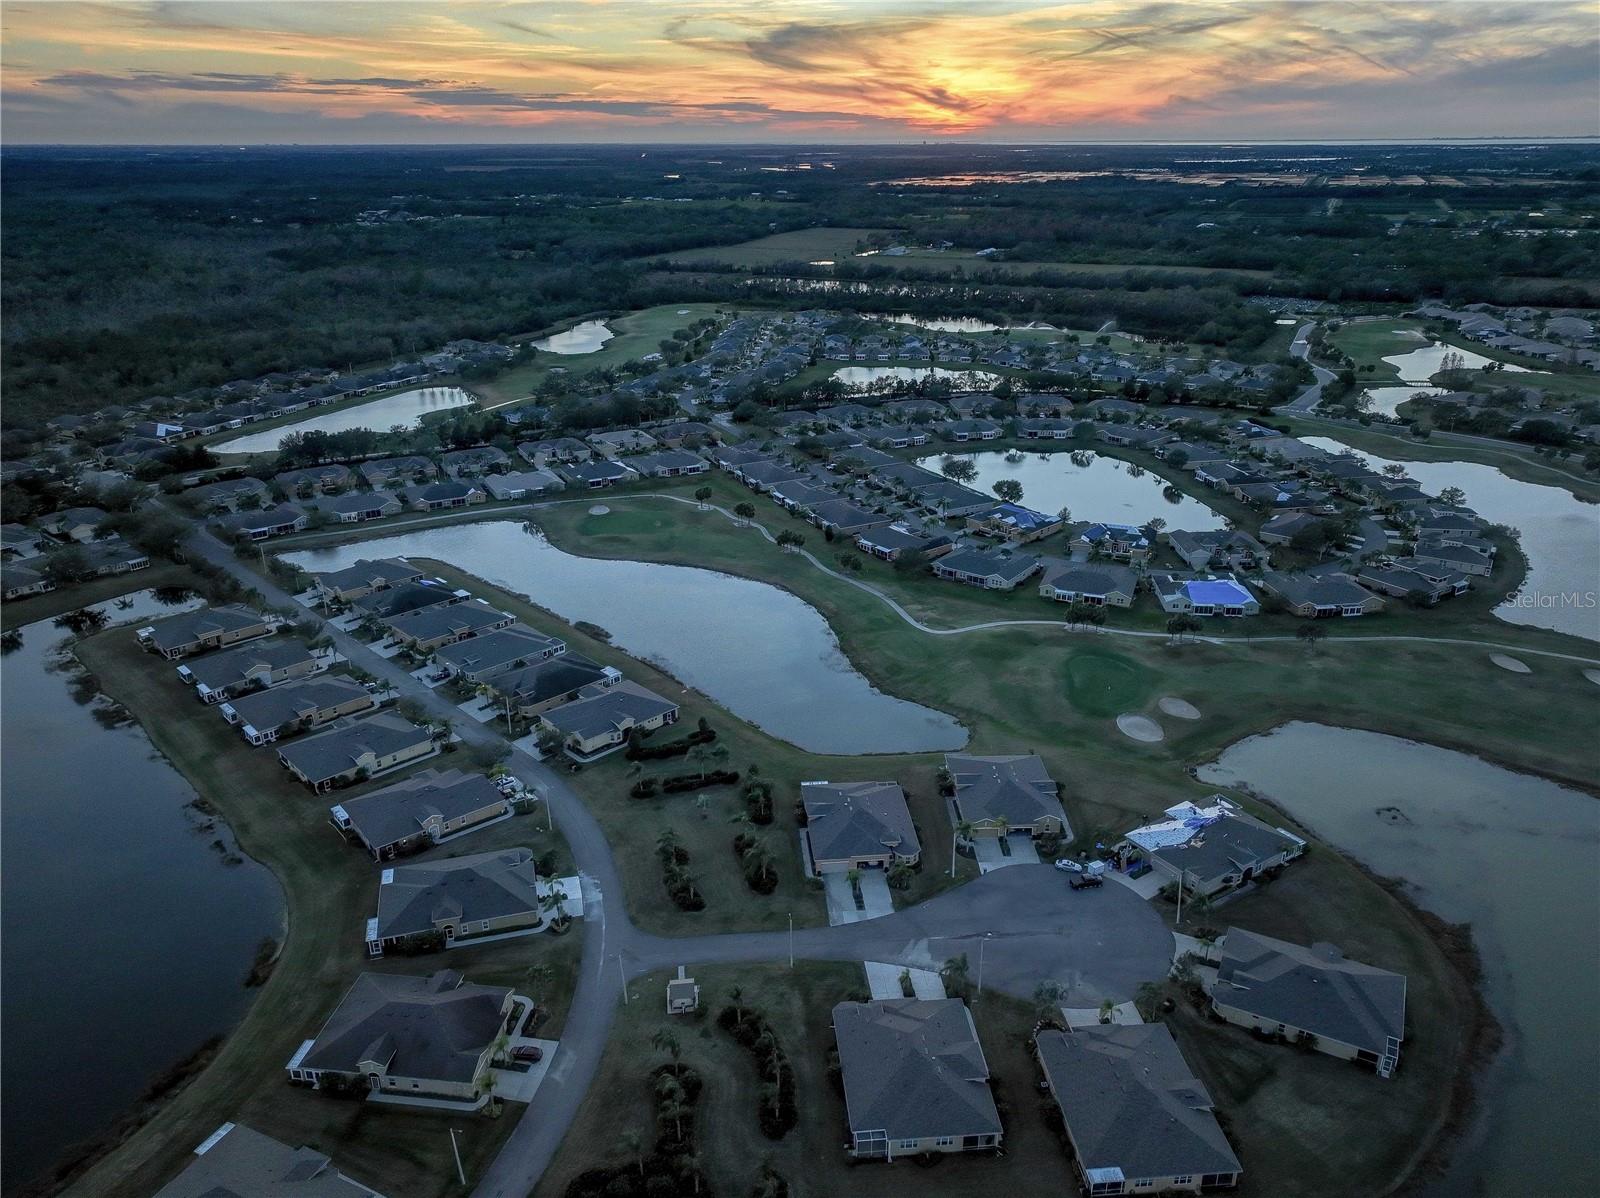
pixel 442 71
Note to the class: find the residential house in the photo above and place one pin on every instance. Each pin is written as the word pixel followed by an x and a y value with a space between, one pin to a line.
pixel 482 657
pixel 1002 795
pixel 1408 578
pixel 891 542
pixel 73 523
pixel 398 1034
pixel 1120 542
pixel 1317 995
pixel 1204 595
pixel 235 1160
pixel 228 494
pixel 1225 549
pixel 278 521
pixel 594 475
pixel 1467 560
pixel 268 715
pixel 915 1078
pixel 424 631
pixel 992 569
pixel 459 899
pixel 857 825
pixel 844 518
pixel 669 463
pixel 1318 597
pixel 687 434
pixel 405 597
pixel 620 441
pixel 599 720
pixel 358 506
pixel 800 495
pixel 205 628
pixel 19 580
pixel 330 476
pixel 1137 1118
pixel 471 463
pixel 531 690
pixel 1098 585
pixel 354 749
pixel 363 577
pixel 555 450
pixel 762 475
pixel 1044 428
pixel 1215 848
pixel 898 436
pixel 251 667
pixel 386 472
pixel 1283 528
pixel 440 496
pixel 969 430
pixel 1014 523
pixel 519 484
pixel 420 811
pixel 113 555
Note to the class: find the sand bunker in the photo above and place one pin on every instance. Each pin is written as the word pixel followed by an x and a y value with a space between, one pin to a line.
pixel 1140 727
pixel 1593 676
pixel 599 509
pixel 1510 663
pixel 1178 709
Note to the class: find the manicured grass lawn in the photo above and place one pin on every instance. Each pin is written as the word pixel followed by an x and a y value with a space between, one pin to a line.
pixel 811 1157
pixel 635 335
pixel 330 889
pixel 1101 682
pixel 966 262
pixel 798 245
pixel 1371 341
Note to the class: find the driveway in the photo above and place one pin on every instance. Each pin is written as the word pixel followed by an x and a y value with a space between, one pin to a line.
pixel 875 899
pixel 994 852
pixel 516 1086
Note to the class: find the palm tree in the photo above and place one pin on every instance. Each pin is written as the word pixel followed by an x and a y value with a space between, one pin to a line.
pixel 736 998
pixel 634 1143
pixel 963 832
pixel 667 844
pixel 665 1041
pixel 956 974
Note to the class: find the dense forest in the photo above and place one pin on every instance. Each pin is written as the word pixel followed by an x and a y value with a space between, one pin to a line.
pixel 131 273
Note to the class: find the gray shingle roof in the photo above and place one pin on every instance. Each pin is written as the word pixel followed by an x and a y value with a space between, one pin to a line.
pixel 1316 989
pixel 1234 843
pixel 500 647
pixel 337 751
pixel 385 571
pixel 279 705
pixel 415 898
pixel 425 1027
pixel 608 710
pixel 455 619
pixel 191 626
pixel 858 819
pixel 1131 1102
pixel 1018 788
pixel 914 1069
pixel 393 814
pixel 239 1162
pixel 232 666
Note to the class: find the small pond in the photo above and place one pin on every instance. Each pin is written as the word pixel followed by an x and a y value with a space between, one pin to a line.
pixel 1560 538
pixel 130 918
pixel 1514 856
pixel 865 376
pixel 1386 399
pixel 403 410
pixel 1420 365
pixel 759 651
pixel 1105 489
pixel 582 338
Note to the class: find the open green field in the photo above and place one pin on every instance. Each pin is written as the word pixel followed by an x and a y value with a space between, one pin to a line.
pixel 330 889
pixel 635 335
pixel 799 1003
pixel 966 263
pixel 797 245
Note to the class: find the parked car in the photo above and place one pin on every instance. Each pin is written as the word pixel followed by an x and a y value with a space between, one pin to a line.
pixel 1085 881
pixel 1069 866
pixel 531 1053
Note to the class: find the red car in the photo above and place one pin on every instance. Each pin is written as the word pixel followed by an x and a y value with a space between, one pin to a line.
pixel 531 1053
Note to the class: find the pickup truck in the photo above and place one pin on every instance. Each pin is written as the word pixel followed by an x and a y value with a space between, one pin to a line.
pixel 1085 881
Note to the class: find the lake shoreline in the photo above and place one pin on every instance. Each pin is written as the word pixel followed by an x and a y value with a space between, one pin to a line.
pixel 1485 1039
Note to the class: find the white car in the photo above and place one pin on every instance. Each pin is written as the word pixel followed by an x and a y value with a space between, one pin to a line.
pixel 1068 866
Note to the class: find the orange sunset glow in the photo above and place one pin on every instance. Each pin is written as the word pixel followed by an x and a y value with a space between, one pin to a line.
pixel 792 70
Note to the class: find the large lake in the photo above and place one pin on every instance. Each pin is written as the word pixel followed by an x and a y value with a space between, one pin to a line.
pixel 762 653
pixel 582 338
pixel 1105 489
pixel 127 936
pixel 404 410
pixel 1515 857
pixel 1560 537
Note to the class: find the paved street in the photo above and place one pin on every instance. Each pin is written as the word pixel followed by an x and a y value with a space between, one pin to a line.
pixel 1308 399
pixel 1018 926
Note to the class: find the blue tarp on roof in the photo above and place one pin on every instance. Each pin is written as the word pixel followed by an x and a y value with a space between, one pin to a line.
pixel 1217 592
